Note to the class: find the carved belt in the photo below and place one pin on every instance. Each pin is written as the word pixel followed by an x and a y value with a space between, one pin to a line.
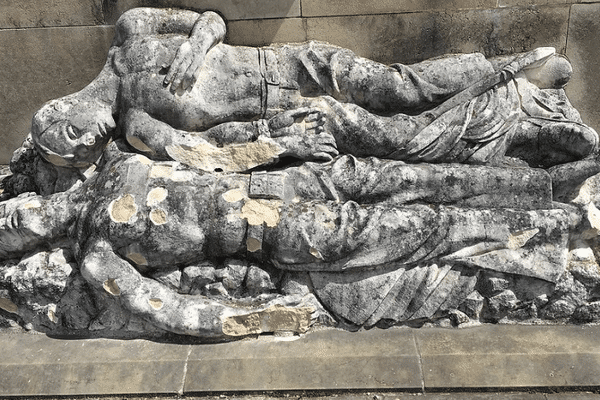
pixel 269 185
pixel 270 83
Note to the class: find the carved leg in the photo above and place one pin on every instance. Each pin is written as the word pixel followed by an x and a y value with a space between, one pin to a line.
pixel 547 143
pixel 372 180
pixel 328 236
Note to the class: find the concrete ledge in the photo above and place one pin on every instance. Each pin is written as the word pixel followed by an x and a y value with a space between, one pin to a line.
pixel 402 359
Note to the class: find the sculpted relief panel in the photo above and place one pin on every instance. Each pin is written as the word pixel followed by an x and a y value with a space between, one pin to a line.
pixel 204 189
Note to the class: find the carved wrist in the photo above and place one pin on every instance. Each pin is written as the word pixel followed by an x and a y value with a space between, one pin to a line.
pixel 261 129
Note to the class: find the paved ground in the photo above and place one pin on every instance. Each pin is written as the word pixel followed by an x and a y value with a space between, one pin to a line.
pixel 360 396
pixel 542 362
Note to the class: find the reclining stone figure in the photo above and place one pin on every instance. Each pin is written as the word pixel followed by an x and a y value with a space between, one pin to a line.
pixel 136 216
pixel 178 93
pixel 200 112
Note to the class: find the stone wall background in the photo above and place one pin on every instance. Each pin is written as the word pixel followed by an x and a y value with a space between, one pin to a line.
pixel 49 48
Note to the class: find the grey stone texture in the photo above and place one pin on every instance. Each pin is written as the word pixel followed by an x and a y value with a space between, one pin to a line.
pixel 410 38
pixel 41 64
pixel 316 8
pixel 405 31
pixel 527 357
pixel 230 9
pixel 50 13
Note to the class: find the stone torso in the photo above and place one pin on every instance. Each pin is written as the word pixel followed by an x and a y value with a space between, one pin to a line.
pixel 228 88
pixel 157 215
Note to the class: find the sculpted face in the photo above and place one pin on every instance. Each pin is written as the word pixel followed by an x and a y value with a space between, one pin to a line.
pixel 68 132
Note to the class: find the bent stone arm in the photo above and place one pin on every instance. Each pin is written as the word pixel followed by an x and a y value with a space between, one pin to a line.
pixel 148 21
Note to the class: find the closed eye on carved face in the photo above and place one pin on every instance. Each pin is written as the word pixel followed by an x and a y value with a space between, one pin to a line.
pixel 78 139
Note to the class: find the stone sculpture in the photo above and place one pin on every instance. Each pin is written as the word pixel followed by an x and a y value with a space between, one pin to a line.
pixel 218 191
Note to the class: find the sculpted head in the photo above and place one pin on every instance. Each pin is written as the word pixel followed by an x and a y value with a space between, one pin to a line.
pixel 72 131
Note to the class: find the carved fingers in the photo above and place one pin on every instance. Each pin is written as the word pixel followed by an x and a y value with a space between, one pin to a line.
pixel 311 116
pixel 325 147
pixel 186 67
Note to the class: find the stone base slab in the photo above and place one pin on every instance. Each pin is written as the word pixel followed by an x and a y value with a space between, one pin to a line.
pixel 398 359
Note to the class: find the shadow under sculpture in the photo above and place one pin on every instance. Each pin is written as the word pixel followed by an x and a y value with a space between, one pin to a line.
pixel 176 211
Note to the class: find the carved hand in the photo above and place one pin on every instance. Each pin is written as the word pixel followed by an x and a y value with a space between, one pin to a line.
pixel 301 133
pixel 186 66
pixel 208 31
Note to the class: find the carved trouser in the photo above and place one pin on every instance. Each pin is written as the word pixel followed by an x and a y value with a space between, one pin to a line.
pixel 317 69
pixel 354 213
pixel 329 236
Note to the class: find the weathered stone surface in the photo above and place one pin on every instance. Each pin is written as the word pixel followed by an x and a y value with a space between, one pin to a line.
pixel 325 359
pixel 500 304
pixel 315 8
pixel 195 277
pixel 26 82
pixel 232 10
pixel 46 13
pixel 529 356
pixel 473 305
pixel 264 32
pixel 583 28
pixel 522 3
pixel 180 224
pixel 587 313
pixel 413 37
pixel 35 365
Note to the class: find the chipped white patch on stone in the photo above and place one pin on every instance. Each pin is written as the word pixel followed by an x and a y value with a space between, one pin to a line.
pixel 122 209
pixel 52 313
pixel 32 204
pixel 156 196
pixel 158 216
pixel 316 253
pixel 231 158
pixel 143 159
pixel 253 245
pixel 157 304
pixel 272 319
pixel 137 258
pixel 581 252
pixel 182 176
pixel 259 211
pixel 8 305
pixel 161 171
pixel 235 195
pixel 110 285
pixel 519 239
pixel 90 171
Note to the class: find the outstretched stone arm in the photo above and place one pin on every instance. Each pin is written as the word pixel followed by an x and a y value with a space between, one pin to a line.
pixel 189 315
pixel 233 146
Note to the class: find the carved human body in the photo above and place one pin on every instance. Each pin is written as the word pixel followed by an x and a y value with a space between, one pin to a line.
pixel 139 216
pixel 240 93
pixel 199 110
